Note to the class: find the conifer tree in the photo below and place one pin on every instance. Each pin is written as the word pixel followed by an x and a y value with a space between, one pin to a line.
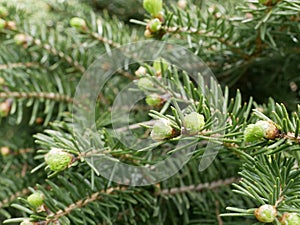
pixel 149 112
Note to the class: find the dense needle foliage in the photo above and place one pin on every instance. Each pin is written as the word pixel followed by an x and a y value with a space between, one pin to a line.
pixel 244 124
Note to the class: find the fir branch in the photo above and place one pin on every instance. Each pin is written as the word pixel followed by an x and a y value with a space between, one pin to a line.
pixel 13 197
pixel 114 44
pixel 97 195
pixel 37 95
pixel 58 53
pixel 81 203
pixel 188 30
pixel 126 74
pixel 30 40
pixel 7 151
pixel 291 136
pixel 220 221
pixel 24 151
pixel 105 40
pixel 205 33
pixel 136 126
pixel 199 187
pixel 18 65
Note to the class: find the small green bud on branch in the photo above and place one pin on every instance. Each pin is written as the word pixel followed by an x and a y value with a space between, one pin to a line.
pixel 266 213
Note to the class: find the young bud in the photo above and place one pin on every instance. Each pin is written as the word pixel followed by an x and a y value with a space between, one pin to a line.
pixel 154 7
pixel 290 219
pixel 78 23
pixel 5 151
pixel 161 130
pixel 39 120
pixel 260 130
pixel 21 39
pixel 193 122
pixel 58 159
pixel 270 130
pixel 11 25
pixel 36 199
pixel 182 4
pixel 5 108
pixel 141 71
pixel 154 25
pixel 3 12
pixel 2 24
pixel 154 100
pixel 148 34
pixel 266 213
pixel 253 133
pixel 2 81
pixel 145 84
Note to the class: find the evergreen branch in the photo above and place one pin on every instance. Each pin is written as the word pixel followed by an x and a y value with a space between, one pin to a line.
pixel 13 197
pixel 188 30
pixel 37 95
pixel 81 203
pixel 204 33
pixel 105 40
pixel 58 53
pixel 31 40
pixel 199 187
pixel 136 126
pixel 18 64
pixel 97 195
pixel 114 44
pixel 220 221
pixel 258 39
pixel 24 151
pixel 292 136
pixel 5 151
pixel 126 74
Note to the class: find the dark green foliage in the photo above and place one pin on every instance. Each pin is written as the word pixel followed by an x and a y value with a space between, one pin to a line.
pixel 251 46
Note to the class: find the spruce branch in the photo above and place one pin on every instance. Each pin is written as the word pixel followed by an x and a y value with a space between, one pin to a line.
pixel 105 40
pixel 199 187
pixel 52 50
pixel 206 34
pixel 81 203
pixel 252 45
pixel 220 222
pixel 23 151
pixel 37 95
pixel 97 196
pixel 269 180
pixel 19 65
pixel 25 37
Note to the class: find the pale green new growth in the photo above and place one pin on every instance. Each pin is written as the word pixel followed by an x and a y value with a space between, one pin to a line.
pixel 290 219
pixel 161 130
pixel 253 132
pixel 266 213
pixel 57 159
pixel 36 199
pixel 154 7
pixel 153 100
pixel 194 122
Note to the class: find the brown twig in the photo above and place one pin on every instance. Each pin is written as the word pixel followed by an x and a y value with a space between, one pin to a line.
pixel 81 203
pixel 199 187
pixel 220 221
pixel 18 64
pixel 37 95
